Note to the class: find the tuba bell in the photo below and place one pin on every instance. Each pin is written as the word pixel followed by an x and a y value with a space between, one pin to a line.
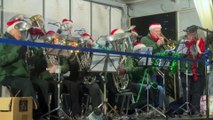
pixel 37 21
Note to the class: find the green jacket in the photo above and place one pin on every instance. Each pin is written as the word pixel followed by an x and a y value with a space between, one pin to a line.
pixel 135 71
pixel 10 62
pixel 149 42
pixel 45 75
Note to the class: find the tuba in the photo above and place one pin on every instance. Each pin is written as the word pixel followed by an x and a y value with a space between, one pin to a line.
pixel 38 22
pixel 169 44
pixel 121 42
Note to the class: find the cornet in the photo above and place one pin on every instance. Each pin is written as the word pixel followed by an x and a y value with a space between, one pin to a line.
pixel 169 44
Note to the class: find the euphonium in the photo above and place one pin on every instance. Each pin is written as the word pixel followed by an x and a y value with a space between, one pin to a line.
pixel 169 44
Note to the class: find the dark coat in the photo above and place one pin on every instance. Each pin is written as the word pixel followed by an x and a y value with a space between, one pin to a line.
pixel 11 64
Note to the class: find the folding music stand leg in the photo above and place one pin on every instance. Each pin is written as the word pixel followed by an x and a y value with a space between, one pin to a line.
pixel 148 105
pixel 61 112
pixel 105 103
pixel 187 103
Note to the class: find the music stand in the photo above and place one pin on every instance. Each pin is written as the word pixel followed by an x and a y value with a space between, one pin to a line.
pixel 61 112
pixel 182 49
pixel 105 63
pixel 147 62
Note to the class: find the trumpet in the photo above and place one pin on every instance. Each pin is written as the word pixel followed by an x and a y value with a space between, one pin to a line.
pixel 169 44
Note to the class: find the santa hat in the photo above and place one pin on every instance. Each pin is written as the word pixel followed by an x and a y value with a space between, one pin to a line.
pixel 117 31
pixel 66 24
pixel 154 25
pixel 88 38
pixel 67 21
pixel 133 31
pixel 200 45
pixel 138 46
pixel 12 24
pixel 50 32
pixel 51 37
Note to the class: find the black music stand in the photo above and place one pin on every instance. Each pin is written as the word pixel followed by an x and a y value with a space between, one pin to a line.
pixel 146 62
pixel 59 108
pixel 183 50
pixel 104 63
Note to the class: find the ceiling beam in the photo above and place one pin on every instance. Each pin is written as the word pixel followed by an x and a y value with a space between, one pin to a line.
pixel 133 1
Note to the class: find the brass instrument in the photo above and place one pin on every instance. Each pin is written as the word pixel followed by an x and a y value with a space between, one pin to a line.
pixel 37 21
pixel 169 44
pixel 121 42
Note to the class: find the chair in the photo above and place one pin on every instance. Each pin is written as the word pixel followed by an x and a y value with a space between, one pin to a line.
pixel 125 98
pixel 86 104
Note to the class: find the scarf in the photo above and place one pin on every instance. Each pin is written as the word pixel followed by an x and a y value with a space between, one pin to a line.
pixel 190 44
pixel 154 38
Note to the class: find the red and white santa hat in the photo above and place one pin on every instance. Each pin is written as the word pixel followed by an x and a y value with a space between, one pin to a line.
pixel 133 31
pixel 12 24
pixel 138 46
pixel 88 38
pixel 66 24
pixel 155 25
pixel 50 32
pixel 117 31
pixel 200 45
pixel 67 21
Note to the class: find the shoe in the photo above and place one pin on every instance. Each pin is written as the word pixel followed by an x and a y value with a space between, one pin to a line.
pixel 196 113
pixel 77 117
pixel 97 111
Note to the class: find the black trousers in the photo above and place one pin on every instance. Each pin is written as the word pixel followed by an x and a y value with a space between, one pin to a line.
pixel 195 89
pixel 95 92
pixel 42 89
pixel 19 83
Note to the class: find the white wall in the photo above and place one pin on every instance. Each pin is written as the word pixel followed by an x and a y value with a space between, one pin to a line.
pixel 25 7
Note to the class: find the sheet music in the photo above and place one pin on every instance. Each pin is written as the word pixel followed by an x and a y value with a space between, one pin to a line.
pixel 181 48
pixel 144 60
pixel 99 60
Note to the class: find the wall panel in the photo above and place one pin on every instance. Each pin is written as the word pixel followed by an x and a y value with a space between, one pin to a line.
pixel 55 11
pixel 80 14
pixel 25 7
pixel 116 15
pixel 100 20
pixel 184 20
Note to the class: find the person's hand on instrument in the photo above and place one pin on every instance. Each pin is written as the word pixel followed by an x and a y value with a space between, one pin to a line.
pixel 121 71
pixel 160 41
pixel 54 69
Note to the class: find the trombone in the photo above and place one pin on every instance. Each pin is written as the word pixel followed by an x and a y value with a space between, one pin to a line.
pixel 169 44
